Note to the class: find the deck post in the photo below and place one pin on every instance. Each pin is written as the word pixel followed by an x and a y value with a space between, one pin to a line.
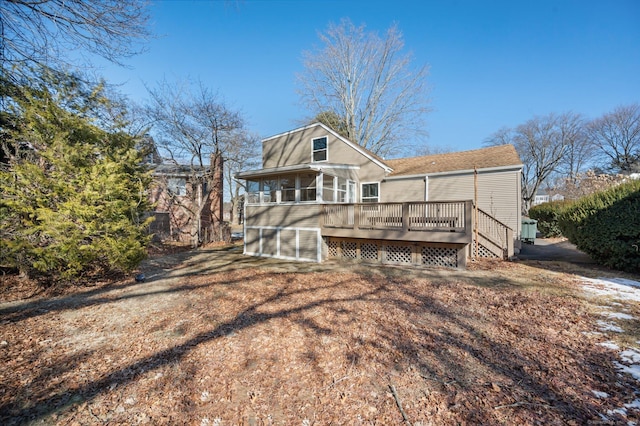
pixel 509 244
pixel 405 217
pixel 356 216
pixel 468 217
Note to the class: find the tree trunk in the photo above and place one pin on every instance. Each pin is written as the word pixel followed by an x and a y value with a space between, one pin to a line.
pixel 218 230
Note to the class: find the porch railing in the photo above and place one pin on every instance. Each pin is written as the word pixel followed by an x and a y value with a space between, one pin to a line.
pixel 423 216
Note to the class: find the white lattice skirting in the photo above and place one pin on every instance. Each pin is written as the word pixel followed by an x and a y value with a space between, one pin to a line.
pixel 398 253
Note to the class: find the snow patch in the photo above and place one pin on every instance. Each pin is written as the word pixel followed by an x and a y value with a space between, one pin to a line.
pixel 630 356
pixel 618 315
pixel 619 288
pixel 610 345
pixel 633 369
pixel 607 326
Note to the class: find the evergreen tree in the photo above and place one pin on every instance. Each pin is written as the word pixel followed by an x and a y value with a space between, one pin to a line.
pixel 74 194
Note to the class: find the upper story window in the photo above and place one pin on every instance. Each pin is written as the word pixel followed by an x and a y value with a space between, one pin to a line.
pixel 319 149
pixel 370 192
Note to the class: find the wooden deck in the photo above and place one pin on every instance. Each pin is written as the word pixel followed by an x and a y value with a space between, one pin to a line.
pixel 438 222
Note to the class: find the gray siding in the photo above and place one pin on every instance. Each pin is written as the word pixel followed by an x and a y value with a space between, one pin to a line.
pixel 401 190
pixel 295 148
pixel 498 193
pixel 252 240
pixel 283 215
pixel 288 243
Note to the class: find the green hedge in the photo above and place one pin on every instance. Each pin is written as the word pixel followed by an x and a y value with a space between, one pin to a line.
pixel 606 226
pixel 547 216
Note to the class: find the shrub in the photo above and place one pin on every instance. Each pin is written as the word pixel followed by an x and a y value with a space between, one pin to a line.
pixel 547 216
pixel 606 226
pixel 73 201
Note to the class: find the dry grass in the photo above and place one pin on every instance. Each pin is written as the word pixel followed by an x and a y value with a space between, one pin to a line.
pixel 260 342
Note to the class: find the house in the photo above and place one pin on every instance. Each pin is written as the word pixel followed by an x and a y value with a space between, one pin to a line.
pixel 187 203
pixel 182 202
pixel 320 196
pixel 540 199
pixel 544 197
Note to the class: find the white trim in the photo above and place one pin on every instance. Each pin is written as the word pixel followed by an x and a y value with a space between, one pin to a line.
pixel 460 172
pixel 335 166
pixel 278 255
pixel 299 168
pixel 426 188
pixel 319 182
pixel 348 142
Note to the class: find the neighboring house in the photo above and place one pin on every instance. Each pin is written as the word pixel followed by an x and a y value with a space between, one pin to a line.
pixel 181 196
pixel 186 207
pixel 539 199
pixel 543 197
pixel 320 196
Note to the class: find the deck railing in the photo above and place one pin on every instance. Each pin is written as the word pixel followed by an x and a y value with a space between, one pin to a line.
pixel 497 237
pixel 423 216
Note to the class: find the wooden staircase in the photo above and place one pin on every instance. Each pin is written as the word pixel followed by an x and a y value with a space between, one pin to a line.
pixel 494 238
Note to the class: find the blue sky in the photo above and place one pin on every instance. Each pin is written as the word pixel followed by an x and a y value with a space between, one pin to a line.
pixel 492 64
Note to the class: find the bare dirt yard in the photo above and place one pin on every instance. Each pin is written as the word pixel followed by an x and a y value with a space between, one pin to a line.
pixel 215 338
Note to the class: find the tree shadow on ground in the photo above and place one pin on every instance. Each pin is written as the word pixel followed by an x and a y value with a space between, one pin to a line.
pixel 429 327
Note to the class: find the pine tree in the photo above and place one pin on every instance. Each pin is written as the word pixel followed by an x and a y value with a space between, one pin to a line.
pixel 74 194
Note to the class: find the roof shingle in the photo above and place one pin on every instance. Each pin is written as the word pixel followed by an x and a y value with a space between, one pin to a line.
pixel 495 156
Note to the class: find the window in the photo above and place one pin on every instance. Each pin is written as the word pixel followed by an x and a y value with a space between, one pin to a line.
pixel 346 191
pixel 269 190
pixel 253 191
pixel 370 192
pixel 319 149
pixel 288 189
pixel 327 188
pixel 351 191
pixel 177 186
pixel 308 187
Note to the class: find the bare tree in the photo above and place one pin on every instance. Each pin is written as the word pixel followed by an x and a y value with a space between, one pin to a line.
pixel 616 136
pixel 42 32
pixel 578 150
pixel 242 155
pixel 368 82
pixel 196 128
pixel 542 144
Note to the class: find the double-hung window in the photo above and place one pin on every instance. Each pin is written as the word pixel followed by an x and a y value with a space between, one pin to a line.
pixel 346 191
pixel 319 149
pixel 370 192
pixel 327 188
pixel 288 189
